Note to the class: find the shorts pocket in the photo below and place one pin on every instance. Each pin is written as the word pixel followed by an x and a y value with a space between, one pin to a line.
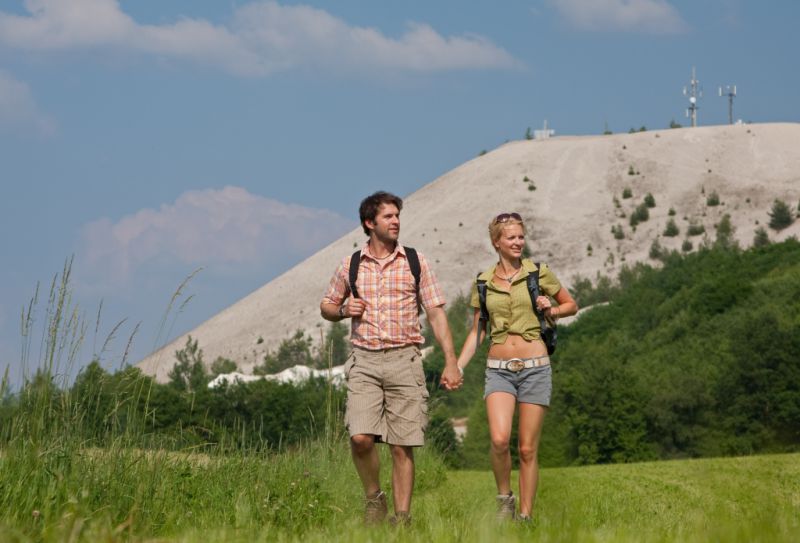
pixel 348 365
pixel 417 370
pixel 423 415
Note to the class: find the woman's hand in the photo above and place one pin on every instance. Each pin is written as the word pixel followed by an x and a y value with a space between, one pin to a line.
pixel 543 303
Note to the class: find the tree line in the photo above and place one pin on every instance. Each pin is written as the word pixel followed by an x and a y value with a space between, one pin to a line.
pixel 101 406
pixel 697 357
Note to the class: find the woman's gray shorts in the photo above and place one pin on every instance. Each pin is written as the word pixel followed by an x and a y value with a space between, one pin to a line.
pixel 532 385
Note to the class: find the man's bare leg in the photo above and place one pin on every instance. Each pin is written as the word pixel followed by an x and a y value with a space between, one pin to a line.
pixel 365 458
pixel 402 477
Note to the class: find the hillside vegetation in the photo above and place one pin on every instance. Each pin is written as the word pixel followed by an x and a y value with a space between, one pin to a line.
pixel 700 357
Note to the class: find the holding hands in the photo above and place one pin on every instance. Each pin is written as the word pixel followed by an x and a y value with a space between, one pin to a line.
pixel 452 377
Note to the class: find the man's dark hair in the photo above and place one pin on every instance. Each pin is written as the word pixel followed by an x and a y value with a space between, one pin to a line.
pixel 368 209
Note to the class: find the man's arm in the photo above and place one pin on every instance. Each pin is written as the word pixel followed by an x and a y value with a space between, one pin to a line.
pixel 451 377
pixel 334 306
pixel 330 311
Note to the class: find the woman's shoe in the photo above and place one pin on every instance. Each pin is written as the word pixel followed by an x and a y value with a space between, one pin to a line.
pixel 506 506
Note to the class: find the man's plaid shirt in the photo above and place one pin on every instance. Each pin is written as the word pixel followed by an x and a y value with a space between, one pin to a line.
pixel 390 318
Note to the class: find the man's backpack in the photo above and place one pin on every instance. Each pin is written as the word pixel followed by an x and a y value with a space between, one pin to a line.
pixel 547 331
pixel 413 263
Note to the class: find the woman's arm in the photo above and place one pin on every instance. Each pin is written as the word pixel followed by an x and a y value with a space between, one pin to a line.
pixel 565 308
pixel 472 341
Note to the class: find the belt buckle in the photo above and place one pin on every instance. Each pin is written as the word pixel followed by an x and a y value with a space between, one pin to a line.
pixel 515 364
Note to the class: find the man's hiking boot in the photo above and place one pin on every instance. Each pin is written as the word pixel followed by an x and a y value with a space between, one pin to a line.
pixel 401 519
pixel 375 508
pixel 506 506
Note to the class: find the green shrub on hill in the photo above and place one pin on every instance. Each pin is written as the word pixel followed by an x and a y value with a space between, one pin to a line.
pixel 640 214
pixel 671 230
pixel 222 365
pixel 695 229
pixel 761 238
pixel 725 231
pixel 586 294
pixel 780 216
pixel 657 252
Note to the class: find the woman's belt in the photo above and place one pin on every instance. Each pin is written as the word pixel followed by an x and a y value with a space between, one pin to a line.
pixel 517 364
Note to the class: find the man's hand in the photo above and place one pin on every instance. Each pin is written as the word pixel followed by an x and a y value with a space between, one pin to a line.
pixel 451 377
pixel 355 307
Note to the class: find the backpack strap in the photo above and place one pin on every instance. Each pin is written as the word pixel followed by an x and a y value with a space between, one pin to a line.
pixel 484 318
pixel 413 263
pixel 533 290
pixel 355 261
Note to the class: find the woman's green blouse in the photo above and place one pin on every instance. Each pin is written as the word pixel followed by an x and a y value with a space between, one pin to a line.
pixel 512 312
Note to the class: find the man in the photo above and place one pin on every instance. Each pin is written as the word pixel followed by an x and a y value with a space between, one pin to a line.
pixel 386 392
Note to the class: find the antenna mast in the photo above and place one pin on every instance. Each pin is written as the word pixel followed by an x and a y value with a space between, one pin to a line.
pixel 730 92
pixel 694 92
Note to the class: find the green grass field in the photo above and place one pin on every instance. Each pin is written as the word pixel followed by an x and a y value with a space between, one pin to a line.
pixel 65 493
pixel 60 480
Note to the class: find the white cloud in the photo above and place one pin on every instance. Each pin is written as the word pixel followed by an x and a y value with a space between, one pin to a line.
pixel 263 37
pixel 300 35
pixel 18 110
pixel 57 25
pixel 654 16
pixel 219 229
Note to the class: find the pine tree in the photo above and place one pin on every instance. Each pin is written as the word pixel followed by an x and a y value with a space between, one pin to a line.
pixel 781 215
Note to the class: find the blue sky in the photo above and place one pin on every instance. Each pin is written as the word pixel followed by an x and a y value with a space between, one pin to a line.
pixel 151 138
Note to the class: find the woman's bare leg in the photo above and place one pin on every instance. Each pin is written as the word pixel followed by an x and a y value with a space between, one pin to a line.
pixel 500 409
pixel 531 419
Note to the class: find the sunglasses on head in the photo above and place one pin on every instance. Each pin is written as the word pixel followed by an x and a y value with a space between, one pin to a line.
pixel 505 217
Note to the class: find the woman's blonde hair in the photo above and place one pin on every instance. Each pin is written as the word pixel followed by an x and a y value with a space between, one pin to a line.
pixel 500 222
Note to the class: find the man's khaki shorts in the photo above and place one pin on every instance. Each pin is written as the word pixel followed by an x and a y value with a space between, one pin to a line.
pixel 386 395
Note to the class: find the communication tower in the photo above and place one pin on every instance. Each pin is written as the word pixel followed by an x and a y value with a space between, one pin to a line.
pixel 730 92
pixel 694 92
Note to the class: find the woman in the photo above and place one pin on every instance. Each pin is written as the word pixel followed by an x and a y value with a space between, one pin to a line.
pixel 515 335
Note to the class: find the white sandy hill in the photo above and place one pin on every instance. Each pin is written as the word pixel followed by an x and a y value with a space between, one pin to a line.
pixel 576 180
